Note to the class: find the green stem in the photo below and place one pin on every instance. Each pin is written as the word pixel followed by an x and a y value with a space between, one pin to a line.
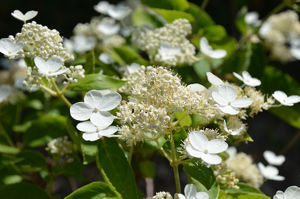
pixel 163 151
pixel 130 154
pixel 5 134
pixel 204 4
pixel 174 165
pixel 59 94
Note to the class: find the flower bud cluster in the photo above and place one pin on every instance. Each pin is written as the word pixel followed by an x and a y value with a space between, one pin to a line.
pixel 60 146
pixel 282 32
pixel 260 102
pixel 179 51
pixel 242 165
pixel 226 176
pixel 32 79
pixel 162 195
pixel 74 73
pixel 41 41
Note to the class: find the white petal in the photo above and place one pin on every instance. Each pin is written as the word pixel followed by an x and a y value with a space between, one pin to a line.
pixel 198 140
pixel 238 76
pixel 218 54
pixel 109 131
pixel 210 159
pixel 132 68
pixel 231 151
pixel 292 192
pixel 81 111
pixel 229 110
pixel 216 146
pixel 252 18
pixel 280 96
pixel 190 191
pixel 271 158
pixel 108 27
pixel 192 151
pixel 279 195
pixel 91 136
pixel 293 99
pixel 202 195
pixel 87 127
pixel 20 16
pixel 242 103
pixel 9 48
pixel 102 7
pixel 30 15
pixel 58 72
pixel 179 196
pixel 103 100
pixel 168 52
pixel 265 29
pixel 196 87
pixel 52 65
pixel 228 93
pixel 83 43
pixel 205 47
pixel 5 91
pixel 270 172
pixel 102 119
pixel 119 12
pixel 295 52
pixel 105 58
pixel 219 99
pixel 214 80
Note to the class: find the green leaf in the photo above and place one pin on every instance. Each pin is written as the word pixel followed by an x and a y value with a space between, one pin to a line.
pixel 129 55
pixel 89 151
pixel 171 15
pixel 224 195
pixel 201 67
pixel 167 4
pixel 98 82
pixel 200 173
pixel 32 161
pixel 240 21
pixel 186 121
pixel 94 190
pixel 71 168
pixel 89 65
pixel 244 188
pixel 213 192
pixel 214 33
pixel 141 17
pixel 44 129
pixel 22 190
pixel 8 149
pixel 112 160
pixel 147 168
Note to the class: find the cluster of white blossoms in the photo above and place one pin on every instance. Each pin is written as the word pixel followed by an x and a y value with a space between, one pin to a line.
pixel 94 116
pixel 169 45
pixel 162 195
pixel 243 167
pixel 270 172
pixel 61 146
pixel 292 192
pixel 282 35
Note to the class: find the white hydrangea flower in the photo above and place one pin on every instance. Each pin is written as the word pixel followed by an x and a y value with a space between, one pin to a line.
pixel 108 27
pixel 167 52
pixel 93 132
pixel 83 43
pixel 208 51
pixel 95 106
pixel 198 88
pixel 190 192
pixel 227 102
pixel 5 91
pixel 252 18
pixel 270 172
pixel 132 68
pixel 292 192
pixel 51 67
pixel 103 7
pixel 200 147
pixel 236 131
pixel 24 17
pixel 295 46
pixel 281 97
pixel 273 159
pixel 247 79
pixel 105 58
pixel 214 80
pixel 10 48
pixel 119 12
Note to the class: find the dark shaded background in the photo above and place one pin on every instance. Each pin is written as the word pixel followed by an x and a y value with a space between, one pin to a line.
pixel 269 132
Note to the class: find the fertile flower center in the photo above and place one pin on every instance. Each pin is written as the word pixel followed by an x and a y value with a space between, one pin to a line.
pixel 206 151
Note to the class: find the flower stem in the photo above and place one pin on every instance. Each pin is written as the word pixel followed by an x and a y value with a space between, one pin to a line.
pixel 59 93
pixel 5 134
pixel 163 151
pixel 174 165
pixel 204 4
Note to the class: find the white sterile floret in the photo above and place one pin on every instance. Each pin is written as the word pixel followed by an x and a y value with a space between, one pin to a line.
pixel 9 48
pixel 233 131
pixel 214 80
pixel 93 132
pixel 227 102
pixel 95 106
pixel 190 192
pixel 119 12
pixel 51 67
pixel 208 51
pixel 270 172
pixel 252 18
pixel 200 147
pixel 105 58
pixel 108 26
pixel 5 91
pixel 292 192
pixel 273 159
pixel 196 87
pixel 132 68
pixel 102 7
pixel 247 79
pixel 82 43
pixel 281 97
pixel 24 17
pixel 168 52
